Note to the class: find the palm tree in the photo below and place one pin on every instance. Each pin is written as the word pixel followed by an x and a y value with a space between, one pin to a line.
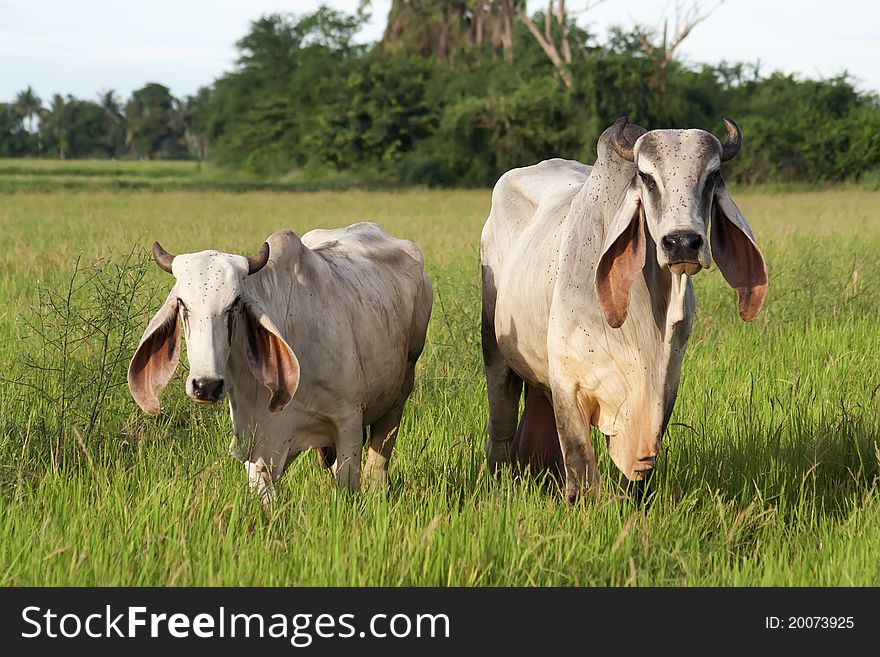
pixel 110 102
pixel 116 124
pixel 29 107
pixel 55 124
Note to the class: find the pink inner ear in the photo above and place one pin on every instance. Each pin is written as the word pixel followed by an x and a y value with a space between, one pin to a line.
pixel 154 363
pixel 271 361
pixel 618 268
pixel 740 262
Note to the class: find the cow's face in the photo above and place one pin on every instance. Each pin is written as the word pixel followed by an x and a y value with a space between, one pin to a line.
pixel 677 172
pixel 213 304
pixel 209 297
pixel 675 188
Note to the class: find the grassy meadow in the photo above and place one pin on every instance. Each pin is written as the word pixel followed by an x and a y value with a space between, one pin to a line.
pixel 768 474
pixel 35 175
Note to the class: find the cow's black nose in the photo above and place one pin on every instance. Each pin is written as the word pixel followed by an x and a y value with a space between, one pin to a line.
pixel 207 389
pixel 682 247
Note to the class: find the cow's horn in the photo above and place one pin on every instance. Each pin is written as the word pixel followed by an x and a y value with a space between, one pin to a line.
pixel 162 257
pixel 622 146
pixel 258 261
pixel 730 148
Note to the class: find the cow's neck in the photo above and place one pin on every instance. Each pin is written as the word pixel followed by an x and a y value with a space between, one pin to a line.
pixel 658 322
pixel 668 293
pixel 288 290
pixel 291 288
pixel 672 309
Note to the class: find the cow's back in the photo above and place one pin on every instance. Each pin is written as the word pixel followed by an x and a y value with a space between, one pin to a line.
pixel 380 284
pixel 383 273
pixel 520 252
pixel 527 196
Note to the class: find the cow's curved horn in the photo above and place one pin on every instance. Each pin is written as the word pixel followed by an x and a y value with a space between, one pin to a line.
pixel 258 261
pixel 162 257
pixel 730 148
pixel 622 146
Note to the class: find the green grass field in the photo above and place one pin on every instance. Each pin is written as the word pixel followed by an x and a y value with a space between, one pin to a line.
pixel 35 175
pixel 768 474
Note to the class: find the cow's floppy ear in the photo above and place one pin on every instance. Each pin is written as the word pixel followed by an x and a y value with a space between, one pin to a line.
pixel 737 254
pixel 623 256
pixel 156 357
pixel 270 358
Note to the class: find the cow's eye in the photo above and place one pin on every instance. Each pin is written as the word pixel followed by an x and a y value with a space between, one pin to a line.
pixel 713 178
pixel 648 181
pixel 234 306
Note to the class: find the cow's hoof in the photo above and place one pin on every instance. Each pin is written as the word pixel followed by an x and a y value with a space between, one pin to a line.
pixel 497 456
pixel 575 490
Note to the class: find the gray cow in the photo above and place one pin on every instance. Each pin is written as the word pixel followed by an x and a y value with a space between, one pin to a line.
pixel 313 340
pixel 587 298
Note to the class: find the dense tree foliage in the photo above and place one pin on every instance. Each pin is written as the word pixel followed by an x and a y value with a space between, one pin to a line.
pixel 455 94
pixel 155 125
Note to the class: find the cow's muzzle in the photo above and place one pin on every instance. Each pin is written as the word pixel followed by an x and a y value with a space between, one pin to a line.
pixel 644 467
pixel 683 252
pixel 207 390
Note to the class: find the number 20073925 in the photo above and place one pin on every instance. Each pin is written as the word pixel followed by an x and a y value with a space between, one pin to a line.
pixel 809 622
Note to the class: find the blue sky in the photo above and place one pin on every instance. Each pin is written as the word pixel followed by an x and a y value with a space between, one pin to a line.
pixel 83 47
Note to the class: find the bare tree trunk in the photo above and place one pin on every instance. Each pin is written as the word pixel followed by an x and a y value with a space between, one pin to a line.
pixel 661 56
pixel 563 32
pixel 509 12
pixel 545 40
pixel 443 28
pixel 479 14
pixel 548 26
pixel 441 45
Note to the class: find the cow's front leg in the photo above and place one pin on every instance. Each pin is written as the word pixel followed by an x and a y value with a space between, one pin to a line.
pixel 260 480
pixel 349 448
pixel 383 435
pixel 578 456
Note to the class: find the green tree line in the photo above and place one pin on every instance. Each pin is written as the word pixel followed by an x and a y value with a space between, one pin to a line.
pixel 152 124
pixel 456 93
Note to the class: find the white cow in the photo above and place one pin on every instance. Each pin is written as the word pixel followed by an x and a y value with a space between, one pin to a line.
pixel 587 297
pixel 313 340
